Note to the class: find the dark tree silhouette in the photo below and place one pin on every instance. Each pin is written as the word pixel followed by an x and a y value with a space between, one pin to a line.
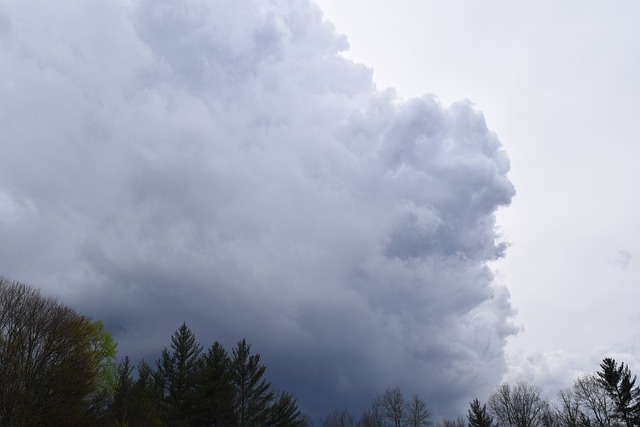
pixel 179 371
pixel 338 418
pixel 252 394
pixel 417 415
pixel 216 391
pixel 478 416
pixel 284 411
pixel 122 396
pixel 519 406
pixel 620 385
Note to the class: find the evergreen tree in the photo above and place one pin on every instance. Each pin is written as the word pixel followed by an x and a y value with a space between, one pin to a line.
pixel 478 416
pixel 179 370
pixel 122 393
pixel 620 386
pixel 216 390
pixel 252 394
pixel 285 412
pixel 146 395
pixel 458 422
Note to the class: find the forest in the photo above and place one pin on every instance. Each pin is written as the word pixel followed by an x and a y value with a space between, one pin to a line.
pixel 60 368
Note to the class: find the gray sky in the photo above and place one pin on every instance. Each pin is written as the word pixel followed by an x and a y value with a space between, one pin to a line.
pixel 558 83
pixel 237 168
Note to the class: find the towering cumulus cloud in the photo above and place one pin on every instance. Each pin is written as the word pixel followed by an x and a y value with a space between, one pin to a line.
pixel 218 162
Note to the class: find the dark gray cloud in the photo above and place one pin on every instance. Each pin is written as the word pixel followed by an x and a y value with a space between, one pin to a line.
pixel 222 164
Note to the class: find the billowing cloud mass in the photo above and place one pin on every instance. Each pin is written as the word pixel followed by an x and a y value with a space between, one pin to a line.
pixel 218 162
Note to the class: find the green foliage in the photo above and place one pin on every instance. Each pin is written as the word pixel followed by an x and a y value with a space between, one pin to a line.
pixel 104 350
pixel 54 363
pixel 58 368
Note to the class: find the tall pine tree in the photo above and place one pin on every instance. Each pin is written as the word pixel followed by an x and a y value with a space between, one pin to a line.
pixel 252 394
pixel 120 405
pixel 178 370
pixel 620 386
pixel 216 390
pixel 478 416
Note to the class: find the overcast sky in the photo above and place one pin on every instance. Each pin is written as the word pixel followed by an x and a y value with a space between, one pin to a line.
pixel 558 83
pixel 244 167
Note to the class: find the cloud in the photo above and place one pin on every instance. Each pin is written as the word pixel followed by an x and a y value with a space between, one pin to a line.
pixel 224 165
pixel 623 258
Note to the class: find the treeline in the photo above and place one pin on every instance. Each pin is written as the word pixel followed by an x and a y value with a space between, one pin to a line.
pixel 59 368
pixel 189 387
pixel 389 409
pixel 607 398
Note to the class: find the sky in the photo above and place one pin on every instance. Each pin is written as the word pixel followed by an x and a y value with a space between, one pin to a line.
pixel 558 83
pixel 432 195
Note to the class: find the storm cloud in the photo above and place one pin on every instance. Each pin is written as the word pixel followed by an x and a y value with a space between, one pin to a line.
pixel 218 162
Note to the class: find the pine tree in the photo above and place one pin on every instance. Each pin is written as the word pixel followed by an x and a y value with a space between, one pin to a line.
pixel 620 386
pixel 146 395
pixel 122 393
pixel 478 415
pixel 252 394
pixel 178 370
pixel 216 391
pixel 285 412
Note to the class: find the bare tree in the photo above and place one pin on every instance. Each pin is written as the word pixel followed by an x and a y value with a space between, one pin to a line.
pixel 594 401
pixel 417 413
pixel 392 407
pixel 371 417
pixel 519 406
pixel 458 422
pixel 338 418
pixel 569 413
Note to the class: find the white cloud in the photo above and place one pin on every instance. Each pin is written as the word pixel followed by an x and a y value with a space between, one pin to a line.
pixel 224 165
